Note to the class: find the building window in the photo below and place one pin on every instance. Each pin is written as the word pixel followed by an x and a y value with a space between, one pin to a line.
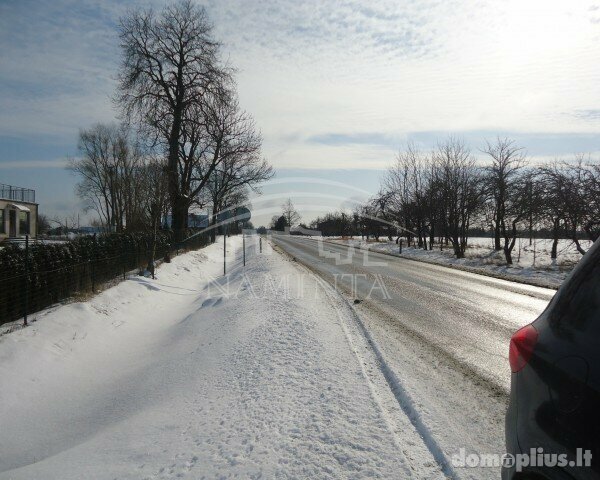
pixel 23 223
pixel 2 228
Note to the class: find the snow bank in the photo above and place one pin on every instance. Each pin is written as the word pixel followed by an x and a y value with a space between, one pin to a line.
pixel 531 263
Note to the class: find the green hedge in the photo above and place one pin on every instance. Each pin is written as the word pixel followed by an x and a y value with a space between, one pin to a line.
pixel 60 270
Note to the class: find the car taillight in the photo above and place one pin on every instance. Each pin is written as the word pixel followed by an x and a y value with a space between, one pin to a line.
pixel 522 344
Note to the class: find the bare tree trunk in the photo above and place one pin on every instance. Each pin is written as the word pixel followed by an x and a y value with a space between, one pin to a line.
pixel 578 245
pixel 431 236
pixel 555 232
pixel 457 250
pixel 509 243
pixel 213 222
pixel 508 256
pixel 178 211
pixel 497 244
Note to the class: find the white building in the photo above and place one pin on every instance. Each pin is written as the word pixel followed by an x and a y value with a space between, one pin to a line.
pixel 18 212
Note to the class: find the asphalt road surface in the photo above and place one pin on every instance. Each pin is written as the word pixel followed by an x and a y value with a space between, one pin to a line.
pixel 444 332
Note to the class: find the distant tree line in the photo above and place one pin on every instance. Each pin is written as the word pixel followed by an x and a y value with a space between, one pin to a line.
pixel 444 195
pixel 185 144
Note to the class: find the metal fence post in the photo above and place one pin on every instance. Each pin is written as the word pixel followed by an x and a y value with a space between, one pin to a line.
pixel 93 262
pixel 26 297
pixel 244 246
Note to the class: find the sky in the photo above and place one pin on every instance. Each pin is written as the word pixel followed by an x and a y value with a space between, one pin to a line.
pixel 337 87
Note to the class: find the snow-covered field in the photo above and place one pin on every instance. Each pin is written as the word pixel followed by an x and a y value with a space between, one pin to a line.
pixel 531 263
pixel 267 376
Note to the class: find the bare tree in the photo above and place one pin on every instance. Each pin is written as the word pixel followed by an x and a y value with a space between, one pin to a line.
pixel 515 210
pixel 238 173
pixel 460 190
pixel 223 153
pixel 106 166
pixel 555 190
pixel 169 64
pixel 66 225
pixel 43 224
pixel 571 192
pixel 407 194
pixel 153 200
pixel 117 180
pixel 292 217
pixel 507 162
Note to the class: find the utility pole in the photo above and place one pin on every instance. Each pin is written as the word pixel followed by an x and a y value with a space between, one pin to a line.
pixel 244 245
pixel 224 249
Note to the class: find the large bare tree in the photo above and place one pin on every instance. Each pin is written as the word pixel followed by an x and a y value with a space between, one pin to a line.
pixel 170 63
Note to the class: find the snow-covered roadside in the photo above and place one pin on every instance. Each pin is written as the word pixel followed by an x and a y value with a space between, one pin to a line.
pixel 532 264
pixel 185 377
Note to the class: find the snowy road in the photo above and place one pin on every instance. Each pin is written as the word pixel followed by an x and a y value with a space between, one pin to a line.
pixel 266 375
pixel 443 332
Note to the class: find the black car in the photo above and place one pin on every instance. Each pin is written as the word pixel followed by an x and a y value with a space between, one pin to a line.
pixel 554 403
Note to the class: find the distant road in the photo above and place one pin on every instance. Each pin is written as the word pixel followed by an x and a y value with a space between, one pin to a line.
pixel 469 317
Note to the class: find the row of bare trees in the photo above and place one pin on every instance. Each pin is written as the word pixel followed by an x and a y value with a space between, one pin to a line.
pixel 445 193
pixel 185 143
pixel 121 182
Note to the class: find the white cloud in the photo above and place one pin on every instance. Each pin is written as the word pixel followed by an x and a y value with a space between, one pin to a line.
pixel 335 67
pixel 350 67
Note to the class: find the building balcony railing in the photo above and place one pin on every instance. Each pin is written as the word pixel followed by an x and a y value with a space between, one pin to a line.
pixel 17 194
